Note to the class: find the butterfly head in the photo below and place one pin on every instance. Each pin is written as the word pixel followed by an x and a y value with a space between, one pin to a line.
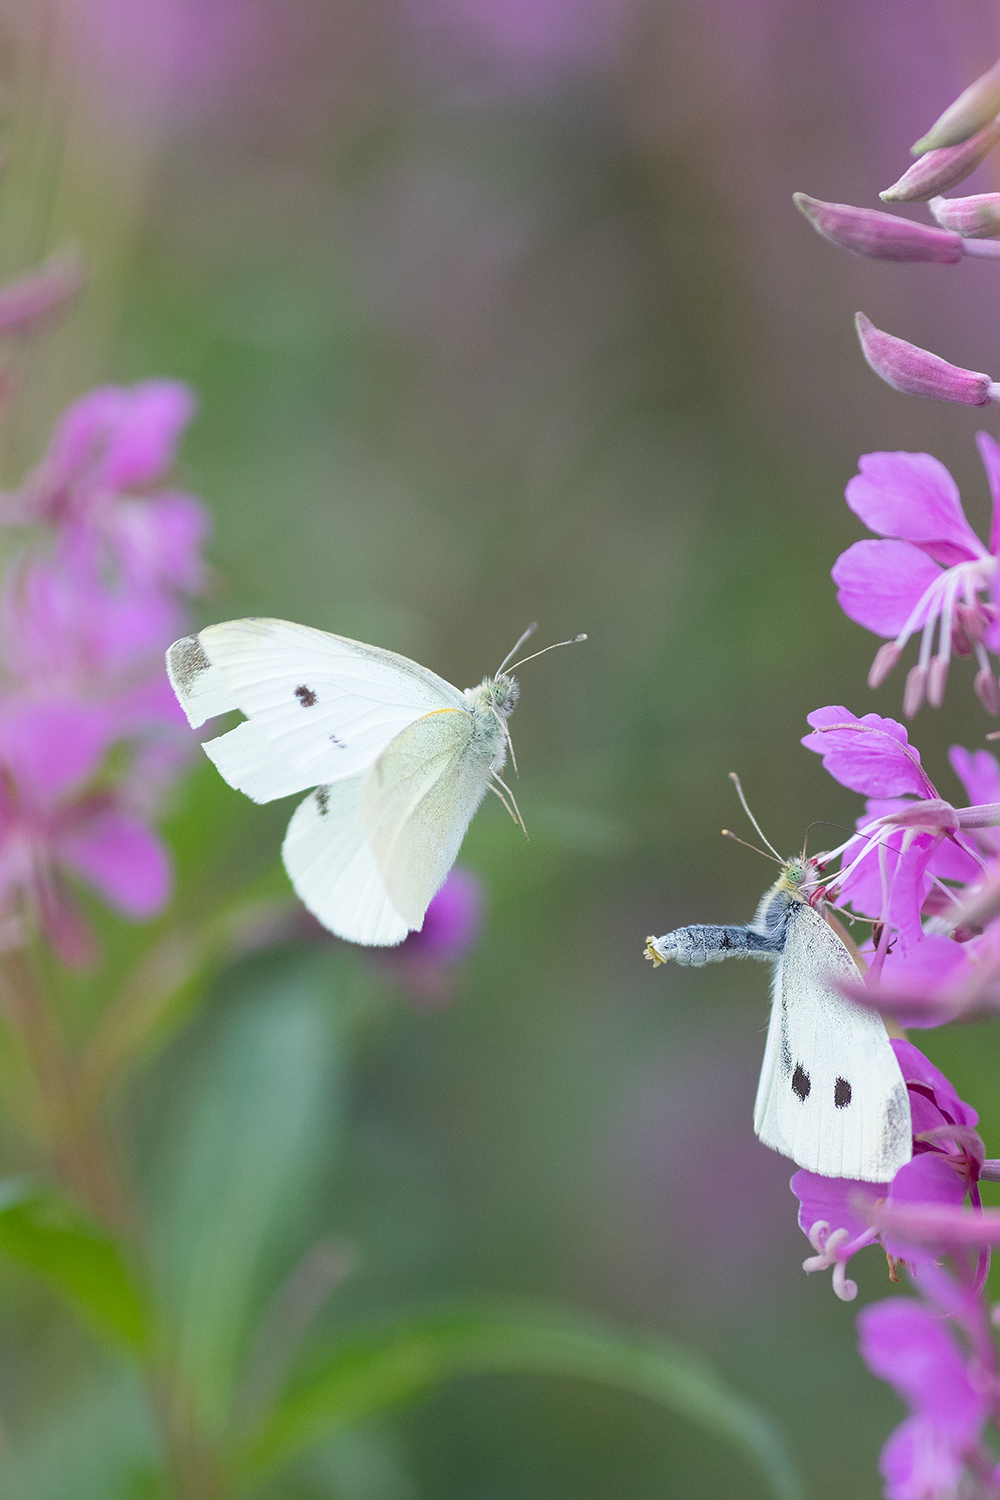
pixel 800 879
pixel 496 694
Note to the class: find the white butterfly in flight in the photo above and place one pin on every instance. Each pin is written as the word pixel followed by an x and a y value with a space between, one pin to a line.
pixel 399 760
pixel 831 1095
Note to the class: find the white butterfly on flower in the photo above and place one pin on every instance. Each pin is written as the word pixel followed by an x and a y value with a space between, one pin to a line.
pixel 831 1094
pixel 399 760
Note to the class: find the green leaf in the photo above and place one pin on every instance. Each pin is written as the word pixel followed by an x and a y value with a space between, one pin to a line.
pixel 243 1148
pixel 50 1234
pixel 399 1361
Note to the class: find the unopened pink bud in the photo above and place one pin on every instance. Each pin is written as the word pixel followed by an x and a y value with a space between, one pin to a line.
pixel 30 298
pixel 917 372
pixel 939 170
pixel 975 218
pixel 880 236
pixel 937 678
pixel 913 693
pixel 886 658
pixel 987 691
pixel 973 109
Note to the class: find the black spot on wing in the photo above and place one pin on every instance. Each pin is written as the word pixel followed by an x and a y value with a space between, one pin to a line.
pixel 306 696
pixel 323 800
pixel 842 1093
pixel 339 743
pixel 801 1083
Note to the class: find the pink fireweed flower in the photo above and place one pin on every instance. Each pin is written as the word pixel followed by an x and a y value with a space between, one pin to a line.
pixel 108 451
pixel 839 1216
pixel 58 819
pixel 929 573
pixel 908 1345
pixel 910 840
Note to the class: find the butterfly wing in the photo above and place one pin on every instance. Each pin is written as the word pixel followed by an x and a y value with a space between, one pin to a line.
pixel 831 1095
pixel 319 707
pixel 333 870
pixel 419 798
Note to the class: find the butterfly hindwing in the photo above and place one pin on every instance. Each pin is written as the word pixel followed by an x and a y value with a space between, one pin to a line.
pixel 331 866
pixel 831 1094
pixel 419 797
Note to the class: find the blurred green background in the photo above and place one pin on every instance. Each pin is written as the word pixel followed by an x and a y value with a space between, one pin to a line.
pixel 500 312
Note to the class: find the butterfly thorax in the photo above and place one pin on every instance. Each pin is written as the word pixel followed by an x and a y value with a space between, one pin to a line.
pixel 790 890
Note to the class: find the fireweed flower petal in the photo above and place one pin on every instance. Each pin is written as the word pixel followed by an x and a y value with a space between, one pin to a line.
pixel 833 1222
pixel 912 497
pixel 882 585
pixel 424 964
pixel 870 754
pixel 122 859
pixel 115 438
pixel 909 1347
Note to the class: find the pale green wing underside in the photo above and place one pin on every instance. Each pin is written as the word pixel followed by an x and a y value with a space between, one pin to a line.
pixel 418 799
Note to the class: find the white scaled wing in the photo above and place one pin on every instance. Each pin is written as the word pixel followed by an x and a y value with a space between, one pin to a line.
pixel 831 1094
pixel 332 868
pixel 319 707
pixel 419 797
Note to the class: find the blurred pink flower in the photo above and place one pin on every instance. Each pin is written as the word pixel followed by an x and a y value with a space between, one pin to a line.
pixel 907 1345
pixel 106 452
pixel 928 571
pixel 56 819
pixel 534 37
pixel 424 963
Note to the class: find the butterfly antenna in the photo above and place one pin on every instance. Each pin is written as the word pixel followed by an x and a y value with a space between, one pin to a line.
pixel 576 639
pixel 516 814
pixel 513 652
pixel 739 792
pixel 727 833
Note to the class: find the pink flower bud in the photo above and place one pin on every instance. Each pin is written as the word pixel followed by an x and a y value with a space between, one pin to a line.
pixel 987 691
pixel 913 693
pixel 975 218
pixel 886 658
pixel 917 372
pixel 973 109
pixel 880 236
pixel 941 169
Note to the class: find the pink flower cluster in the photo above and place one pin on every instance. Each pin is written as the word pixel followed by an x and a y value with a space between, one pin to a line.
pixel 923 870
pixel 90 732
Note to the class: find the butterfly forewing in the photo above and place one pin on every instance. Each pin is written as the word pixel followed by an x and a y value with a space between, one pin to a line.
pixel 418 800
pixel 327 705
pixel 831 1094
